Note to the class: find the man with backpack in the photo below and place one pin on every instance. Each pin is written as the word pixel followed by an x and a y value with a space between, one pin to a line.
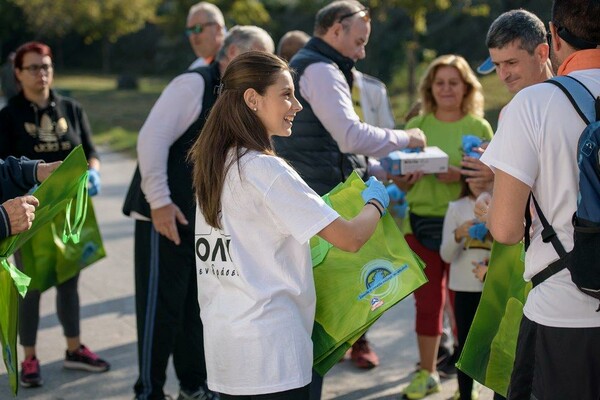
pixel 535 150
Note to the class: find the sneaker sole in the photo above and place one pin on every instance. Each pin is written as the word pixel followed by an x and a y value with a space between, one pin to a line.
pixel 31 384
pixel 84 367
pixel 435 389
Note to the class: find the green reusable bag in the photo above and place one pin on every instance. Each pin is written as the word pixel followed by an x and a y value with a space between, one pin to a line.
pixel 9 303
pixel 355 289
pixel 49 261
pixel 55 194
pixel 489 352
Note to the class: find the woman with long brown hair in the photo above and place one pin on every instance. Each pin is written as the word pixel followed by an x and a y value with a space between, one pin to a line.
pixel 254 221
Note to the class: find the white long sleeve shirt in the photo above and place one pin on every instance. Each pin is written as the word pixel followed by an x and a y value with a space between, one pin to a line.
pixel 176 109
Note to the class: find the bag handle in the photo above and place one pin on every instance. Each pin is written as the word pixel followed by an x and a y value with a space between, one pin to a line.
pixel 20 279
pixel 73 231
pixel 320 250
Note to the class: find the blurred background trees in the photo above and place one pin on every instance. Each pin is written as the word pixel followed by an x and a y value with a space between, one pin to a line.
pixel 103 39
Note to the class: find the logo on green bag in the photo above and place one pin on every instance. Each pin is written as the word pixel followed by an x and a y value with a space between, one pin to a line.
pixel 9 358
pixel 378 277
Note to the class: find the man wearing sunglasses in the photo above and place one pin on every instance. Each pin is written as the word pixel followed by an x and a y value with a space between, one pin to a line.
pixel 328 139
pixel 205 29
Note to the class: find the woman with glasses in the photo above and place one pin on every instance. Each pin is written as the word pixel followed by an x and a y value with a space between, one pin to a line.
pixel 38 123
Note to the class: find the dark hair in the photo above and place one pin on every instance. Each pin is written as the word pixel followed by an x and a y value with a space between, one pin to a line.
pixel 231 124
pixel 516 24
pixel 30 47
pixel 579 18
pixel 329 15
pixel 465 190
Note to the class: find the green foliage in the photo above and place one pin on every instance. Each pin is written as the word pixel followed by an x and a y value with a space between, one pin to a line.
pixel 94 19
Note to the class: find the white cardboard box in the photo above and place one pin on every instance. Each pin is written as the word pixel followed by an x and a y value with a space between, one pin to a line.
pixel 431 160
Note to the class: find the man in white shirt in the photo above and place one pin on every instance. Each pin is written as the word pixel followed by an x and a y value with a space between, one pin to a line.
pixel 205 29
pixel 535 150
pixel 162 201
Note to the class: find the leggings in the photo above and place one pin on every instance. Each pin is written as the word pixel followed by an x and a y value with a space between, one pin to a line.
pixel 293 394
pixel 465 305
pixel 67 309
pixel 430 298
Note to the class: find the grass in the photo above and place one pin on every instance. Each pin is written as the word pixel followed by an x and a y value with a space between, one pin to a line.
pixel 116 116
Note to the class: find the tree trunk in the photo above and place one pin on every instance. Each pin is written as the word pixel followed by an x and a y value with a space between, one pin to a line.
pixel 411 63
pixel 106 46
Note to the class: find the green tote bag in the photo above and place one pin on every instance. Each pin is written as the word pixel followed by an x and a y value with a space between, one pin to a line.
pixel 489 351
pixel 355 289
pixel 64 189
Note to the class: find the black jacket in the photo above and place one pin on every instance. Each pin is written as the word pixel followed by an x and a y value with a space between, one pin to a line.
pixel 311 149
pixel 179 171
pixel 17 176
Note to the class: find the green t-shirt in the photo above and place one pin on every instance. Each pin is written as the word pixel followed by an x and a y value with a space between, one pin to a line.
pixel 429 197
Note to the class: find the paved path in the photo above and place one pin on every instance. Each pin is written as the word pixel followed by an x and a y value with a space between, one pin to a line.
pixel 108 325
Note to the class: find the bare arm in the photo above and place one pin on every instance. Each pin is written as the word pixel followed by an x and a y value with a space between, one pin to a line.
pixel 507 208
pixel 353 234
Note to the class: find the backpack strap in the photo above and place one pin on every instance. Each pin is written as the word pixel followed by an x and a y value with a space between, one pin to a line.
pixel 585 104
pixel 580 97
pixel 548 235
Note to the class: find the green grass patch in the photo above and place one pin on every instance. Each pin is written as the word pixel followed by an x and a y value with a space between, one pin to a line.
pixel 116 116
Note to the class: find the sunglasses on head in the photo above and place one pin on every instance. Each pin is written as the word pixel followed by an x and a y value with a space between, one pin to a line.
pixel 198 28
pixel 364 14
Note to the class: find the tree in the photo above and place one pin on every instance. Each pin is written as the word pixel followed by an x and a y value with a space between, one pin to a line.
pixel 105 20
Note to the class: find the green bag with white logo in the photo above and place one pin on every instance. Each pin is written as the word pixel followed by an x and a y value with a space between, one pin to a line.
pixel 355 289
pixel 489 351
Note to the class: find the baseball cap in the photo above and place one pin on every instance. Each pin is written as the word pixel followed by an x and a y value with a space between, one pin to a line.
pixel 486 67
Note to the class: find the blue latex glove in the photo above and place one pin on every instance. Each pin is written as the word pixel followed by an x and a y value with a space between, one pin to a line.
pixel 478 231
pixel 396 194
pixel 469 144
pixel 400 209
pixel 93 182
pixel 376 190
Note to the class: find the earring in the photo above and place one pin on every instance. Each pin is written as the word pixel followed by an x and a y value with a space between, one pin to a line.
pixel 255 109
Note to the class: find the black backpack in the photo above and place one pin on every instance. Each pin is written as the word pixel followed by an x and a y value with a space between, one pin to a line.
pixel 583 262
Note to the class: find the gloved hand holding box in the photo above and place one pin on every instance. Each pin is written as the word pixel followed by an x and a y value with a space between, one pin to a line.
pixel 431 160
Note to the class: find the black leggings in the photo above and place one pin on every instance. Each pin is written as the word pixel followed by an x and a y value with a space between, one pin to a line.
pixel 293 394
pixel 465 305
pixel 67 309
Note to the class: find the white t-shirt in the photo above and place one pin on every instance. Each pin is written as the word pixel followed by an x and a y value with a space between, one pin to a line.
pixel 255 281
pixel 461 255
pixel 536 143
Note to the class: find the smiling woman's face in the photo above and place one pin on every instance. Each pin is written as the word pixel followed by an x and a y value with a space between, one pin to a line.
pixel 278 107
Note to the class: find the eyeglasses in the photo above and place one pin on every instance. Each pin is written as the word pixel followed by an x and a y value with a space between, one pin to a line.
pixel 35 69
pixel 198 28
pixel 364 14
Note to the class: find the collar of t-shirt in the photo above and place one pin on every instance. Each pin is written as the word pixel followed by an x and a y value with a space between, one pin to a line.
pixel 582 59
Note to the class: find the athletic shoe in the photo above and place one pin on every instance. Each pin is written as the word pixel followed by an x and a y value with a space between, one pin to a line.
pixel 86 360
pixel 30 373
pixel 204 393
pixel 474 392
pixel 447 368
pixel 363 356
pixel 423 384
